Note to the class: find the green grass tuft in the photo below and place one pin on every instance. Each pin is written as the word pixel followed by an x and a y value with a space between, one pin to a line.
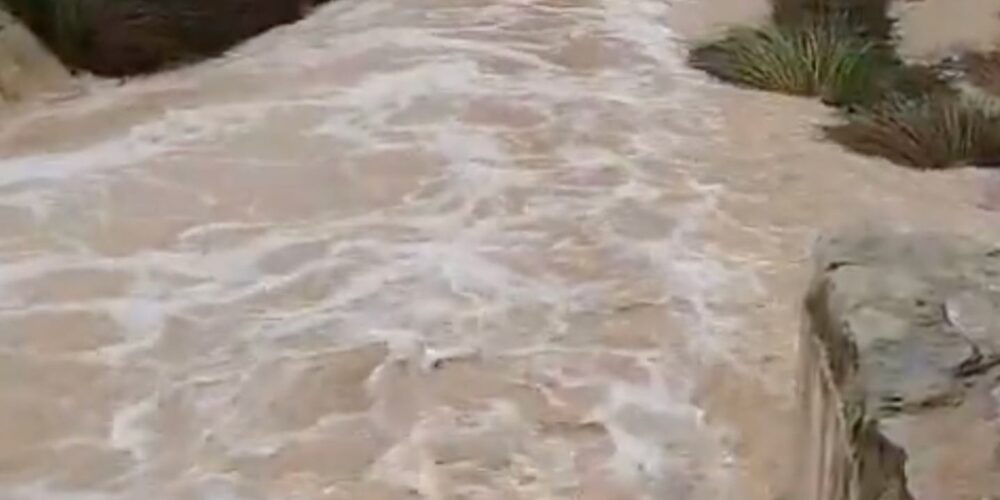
pixel 940 131
pixel 815 60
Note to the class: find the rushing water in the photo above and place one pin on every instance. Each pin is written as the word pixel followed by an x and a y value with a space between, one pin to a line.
pixel 441 249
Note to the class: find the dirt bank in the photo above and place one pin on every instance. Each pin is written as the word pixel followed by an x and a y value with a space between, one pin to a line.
pixel 785 185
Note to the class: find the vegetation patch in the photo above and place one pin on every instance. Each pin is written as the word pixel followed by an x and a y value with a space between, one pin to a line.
pixel 933 133
pixel 125 37
pixel 823 61
pixel 842 52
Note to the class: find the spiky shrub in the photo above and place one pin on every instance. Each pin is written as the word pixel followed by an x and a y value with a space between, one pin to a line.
pixel 940 131
pixel 868 18
pixel 810 60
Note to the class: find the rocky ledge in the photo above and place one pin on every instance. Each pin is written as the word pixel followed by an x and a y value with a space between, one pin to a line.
pixel 900 369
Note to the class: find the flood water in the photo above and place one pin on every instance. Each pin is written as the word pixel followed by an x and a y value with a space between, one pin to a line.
pixel 448 249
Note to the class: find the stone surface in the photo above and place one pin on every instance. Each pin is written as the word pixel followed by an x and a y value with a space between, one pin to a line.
pixel 27 68
pixel 899 375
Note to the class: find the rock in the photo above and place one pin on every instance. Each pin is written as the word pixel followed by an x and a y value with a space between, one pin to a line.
pixel 27 68
pixel 899 369
pixel 128 37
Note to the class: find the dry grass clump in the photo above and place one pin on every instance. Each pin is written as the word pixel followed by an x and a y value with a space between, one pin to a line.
pixel 940 131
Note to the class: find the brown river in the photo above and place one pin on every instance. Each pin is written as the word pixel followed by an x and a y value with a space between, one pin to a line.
pixel 446 249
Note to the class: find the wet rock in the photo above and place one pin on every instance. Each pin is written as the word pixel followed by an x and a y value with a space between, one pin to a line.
pixel 27 68
pixel 127 37
pixel 900 355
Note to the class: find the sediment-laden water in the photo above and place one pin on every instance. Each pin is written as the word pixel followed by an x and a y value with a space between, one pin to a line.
pixel 444 249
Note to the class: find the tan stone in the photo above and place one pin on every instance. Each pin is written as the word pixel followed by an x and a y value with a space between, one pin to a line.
pixel 27 68
pixel 899 368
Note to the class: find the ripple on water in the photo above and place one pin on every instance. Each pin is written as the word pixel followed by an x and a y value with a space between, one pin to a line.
pixel 432 251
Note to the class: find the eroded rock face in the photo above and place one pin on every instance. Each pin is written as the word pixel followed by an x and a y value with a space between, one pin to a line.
pixel 27 68
pixel 900 358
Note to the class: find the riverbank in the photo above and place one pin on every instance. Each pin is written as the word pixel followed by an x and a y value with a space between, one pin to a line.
pixel 786 185
pixel 933 114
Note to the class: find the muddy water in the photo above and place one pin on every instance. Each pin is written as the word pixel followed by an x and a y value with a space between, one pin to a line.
pixel 443 249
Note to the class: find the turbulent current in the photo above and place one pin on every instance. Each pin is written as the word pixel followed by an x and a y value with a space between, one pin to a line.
pixel 446 249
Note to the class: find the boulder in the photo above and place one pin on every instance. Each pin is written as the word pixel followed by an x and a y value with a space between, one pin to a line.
pixel 900 360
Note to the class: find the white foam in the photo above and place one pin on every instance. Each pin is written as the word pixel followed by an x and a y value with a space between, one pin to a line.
pixel 500 243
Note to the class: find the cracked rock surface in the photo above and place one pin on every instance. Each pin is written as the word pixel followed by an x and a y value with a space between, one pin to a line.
pixel 900 368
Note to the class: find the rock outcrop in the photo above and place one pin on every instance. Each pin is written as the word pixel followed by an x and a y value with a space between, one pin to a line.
pixel 128 37
pixel 900 367
pixel 27 68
